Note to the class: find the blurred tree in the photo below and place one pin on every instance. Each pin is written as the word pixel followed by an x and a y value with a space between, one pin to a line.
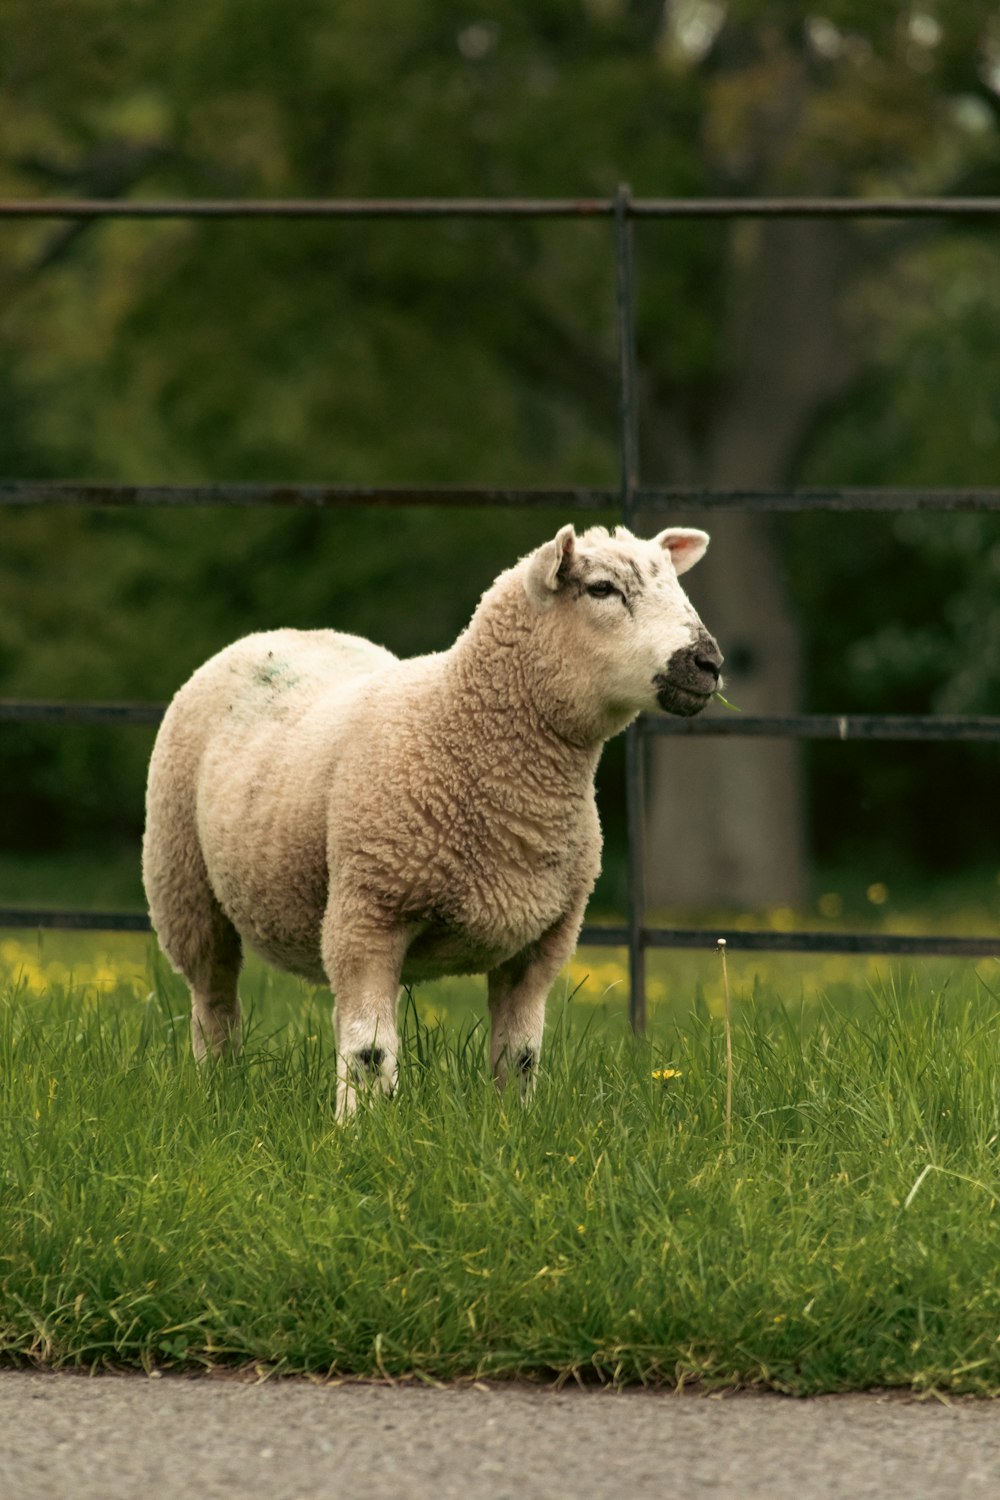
pixel 459 351
pixel 856 100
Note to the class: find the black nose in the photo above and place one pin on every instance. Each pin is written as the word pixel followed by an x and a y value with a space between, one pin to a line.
pixel 708 657
pixel 691 676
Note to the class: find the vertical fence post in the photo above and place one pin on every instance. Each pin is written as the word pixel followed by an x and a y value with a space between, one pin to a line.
pixel 629 454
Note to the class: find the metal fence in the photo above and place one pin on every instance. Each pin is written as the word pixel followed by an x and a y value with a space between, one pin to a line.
pixel 630 497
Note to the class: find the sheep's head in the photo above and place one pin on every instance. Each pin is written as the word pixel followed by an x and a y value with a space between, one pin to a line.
pixel 613 604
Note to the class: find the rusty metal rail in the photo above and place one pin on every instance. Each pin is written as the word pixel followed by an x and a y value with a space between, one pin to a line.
pixel 499 208
pixel 600 935
pixel 629 499
pixel 35 493
pixel 926 728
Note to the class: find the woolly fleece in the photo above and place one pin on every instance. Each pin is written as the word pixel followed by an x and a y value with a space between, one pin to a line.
pixel 365 820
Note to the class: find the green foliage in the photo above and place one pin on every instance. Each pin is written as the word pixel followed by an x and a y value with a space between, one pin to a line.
pixel 153 1217
pixel 462 352
pixel 905 617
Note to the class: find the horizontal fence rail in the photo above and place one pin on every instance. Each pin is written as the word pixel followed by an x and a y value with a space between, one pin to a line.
pixel 601 935
pixel 946 728
pixel 499 208
pixel 40 492
pixel 629 499
pixel 318 496
pixel 874 944
pixel 35 711
pixel 66 919
pixel 949 728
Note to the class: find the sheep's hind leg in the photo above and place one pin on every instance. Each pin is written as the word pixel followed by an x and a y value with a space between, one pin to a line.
pixel 364 973
pixel 216 1014
pixel 194 932
pixel 203 946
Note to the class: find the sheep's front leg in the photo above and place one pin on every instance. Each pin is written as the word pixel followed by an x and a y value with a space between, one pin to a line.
pixel 518 990
pixel 364 969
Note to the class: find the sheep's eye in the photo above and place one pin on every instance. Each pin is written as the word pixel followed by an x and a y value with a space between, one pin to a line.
pixel 603 590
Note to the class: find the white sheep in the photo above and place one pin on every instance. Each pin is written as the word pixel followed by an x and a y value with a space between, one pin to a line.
pixel 368 821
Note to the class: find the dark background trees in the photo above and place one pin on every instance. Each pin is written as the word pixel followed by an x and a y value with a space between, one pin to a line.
pixel 455 352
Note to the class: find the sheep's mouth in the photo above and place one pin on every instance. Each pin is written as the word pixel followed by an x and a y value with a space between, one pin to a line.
pixel 690 677
pixel 675 698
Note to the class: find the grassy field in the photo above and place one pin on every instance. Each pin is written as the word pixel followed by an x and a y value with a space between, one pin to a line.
pixel 846 1237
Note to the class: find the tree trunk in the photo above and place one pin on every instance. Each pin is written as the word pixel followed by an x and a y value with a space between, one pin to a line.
pixel 725 817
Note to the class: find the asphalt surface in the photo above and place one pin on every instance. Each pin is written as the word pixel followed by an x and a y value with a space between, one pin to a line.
pixel 65 1437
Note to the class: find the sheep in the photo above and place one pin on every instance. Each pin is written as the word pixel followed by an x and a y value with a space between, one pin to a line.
pixel 367 821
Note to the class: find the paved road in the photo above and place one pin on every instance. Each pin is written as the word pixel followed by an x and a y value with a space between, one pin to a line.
pixel 65 1437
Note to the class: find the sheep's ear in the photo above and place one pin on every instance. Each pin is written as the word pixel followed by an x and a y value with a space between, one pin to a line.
pixel 549 566
pixel 685 545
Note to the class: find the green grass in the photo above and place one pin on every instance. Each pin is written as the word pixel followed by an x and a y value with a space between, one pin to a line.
pixel 847 1237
